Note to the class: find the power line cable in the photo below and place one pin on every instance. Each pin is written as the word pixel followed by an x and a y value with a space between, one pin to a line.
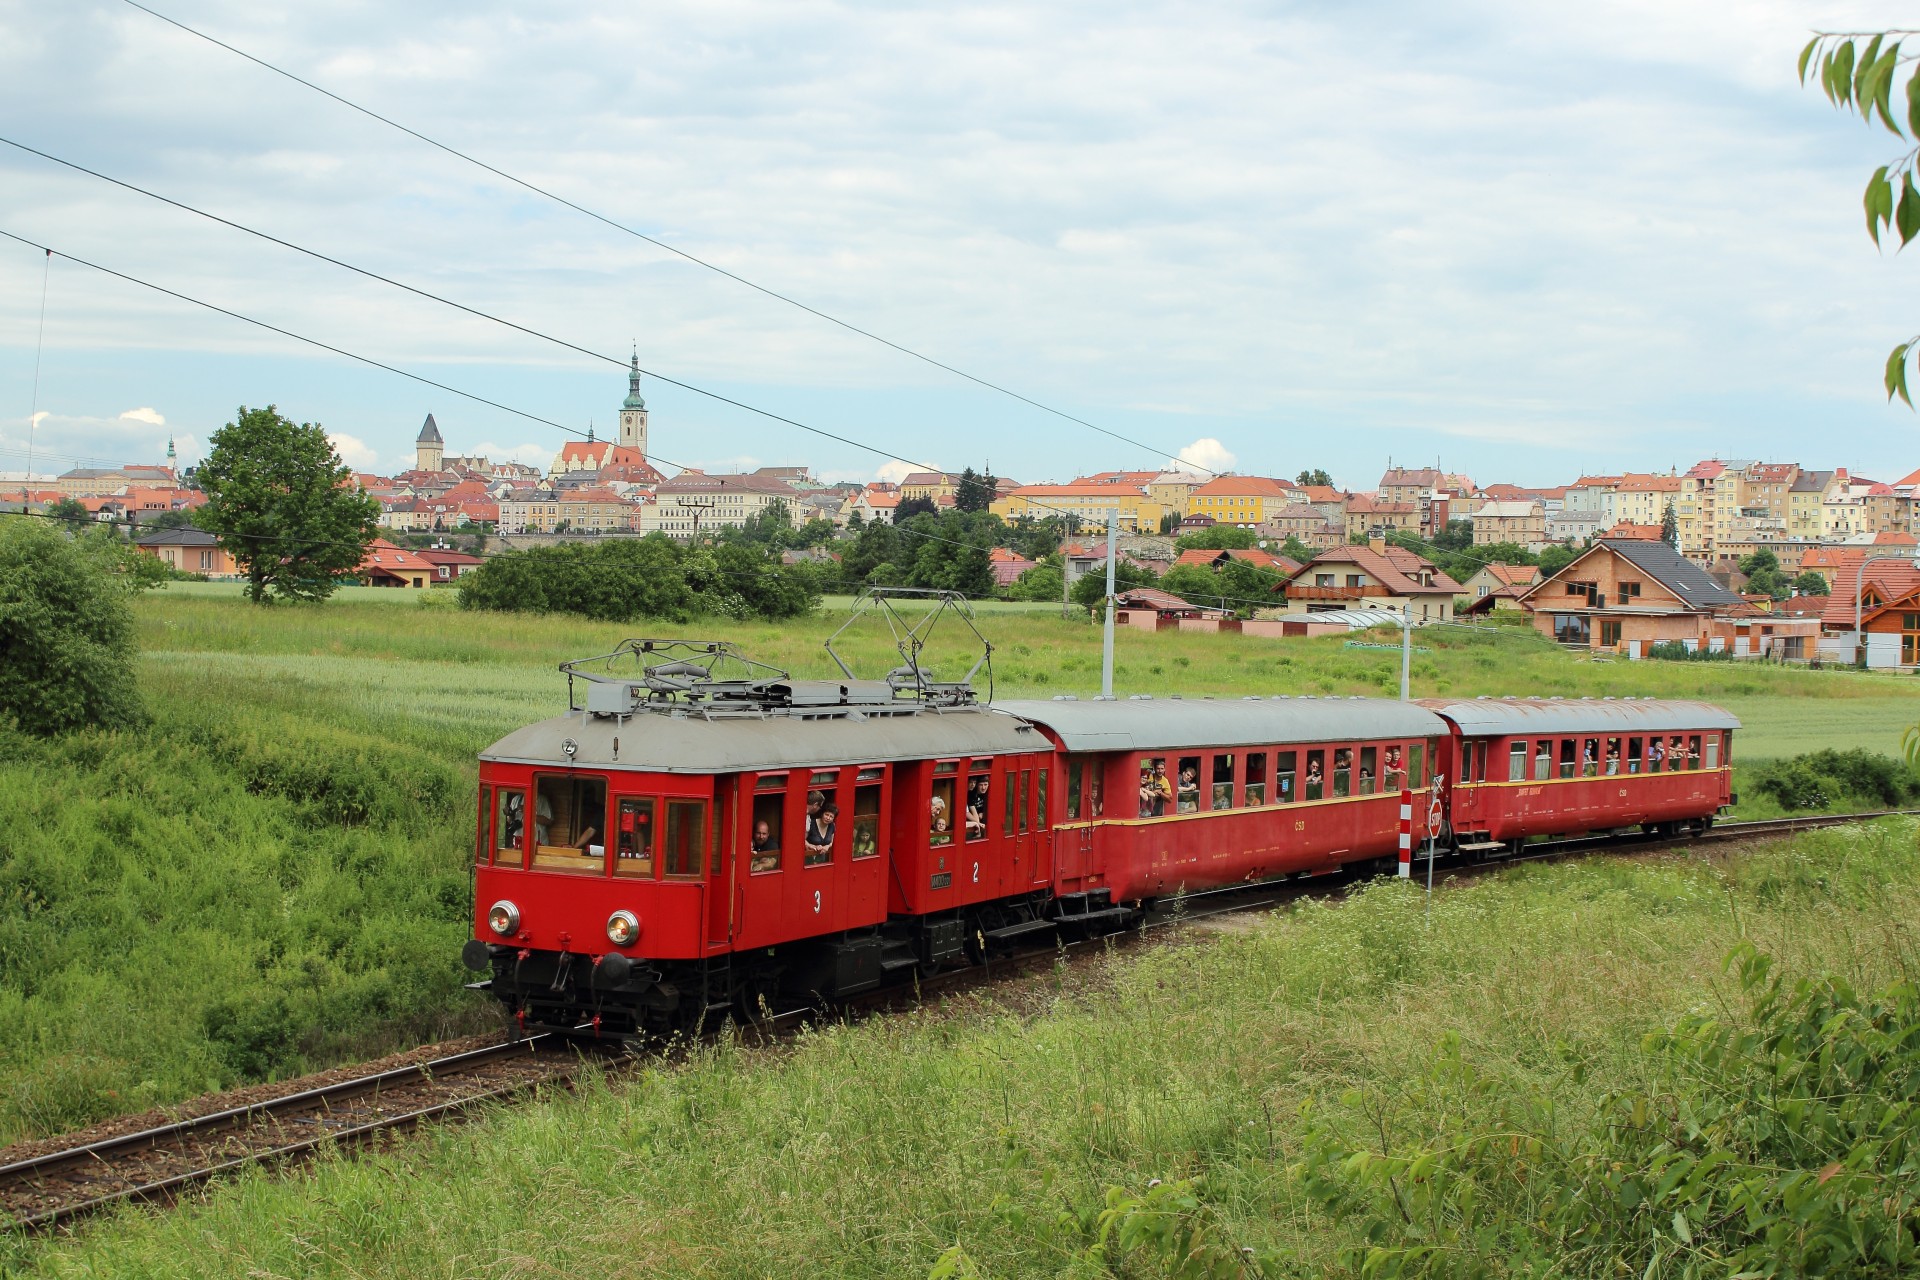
pixel 661 244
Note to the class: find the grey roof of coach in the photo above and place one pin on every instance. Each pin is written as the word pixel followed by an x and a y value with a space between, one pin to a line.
pixel 667 743
pixel 1172 723
pixel 1483 716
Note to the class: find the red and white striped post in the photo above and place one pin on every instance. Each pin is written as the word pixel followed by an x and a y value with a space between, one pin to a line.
pixel 1406 834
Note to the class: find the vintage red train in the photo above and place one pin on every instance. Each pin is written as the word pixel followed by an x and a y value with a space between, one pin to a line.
pixel 701 835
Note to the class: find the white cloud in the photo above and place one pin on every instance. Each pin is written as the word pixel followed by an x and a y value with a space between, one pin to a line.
pixel 353 451
pixel 534 455
pixel 145 413
pixel 1206 454
pixel 894 472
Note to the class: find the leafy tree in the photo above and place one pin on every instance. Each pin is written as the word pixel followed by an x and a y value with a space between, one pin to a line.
pixel 1169 522
pixel 908 508
pixel 1555 558
pixel 1314 476
pixel 71 512
pixel 1505 553
pixel 620 579
pixel 816 532
pixel 856 522
pixel 66 633
pixel 975 490
pixel 876 544
pixel 1036 539
pixel 1810 584
pixel 953 552
pixel 1294 549
pixel 1091 588
pixel 181 519
pixel 1670 527
pixel 1041 583
pixel 1457 536
pixel 769 527
pixel 283 506
pixel 1218 537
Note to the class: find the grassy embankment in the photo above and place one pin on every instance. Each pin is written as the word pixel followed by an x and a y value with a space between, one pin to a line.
pixel 273 876
pixel 870 1150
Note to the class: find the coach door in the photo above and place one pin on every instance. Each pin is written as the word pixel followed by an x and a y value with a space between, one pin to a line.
pixel 769 828
pixel 1022 828
pixel 864 841
pixel 721 899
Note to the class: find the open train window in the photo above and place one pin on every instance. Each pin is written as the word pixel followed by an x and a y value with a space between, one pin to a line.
pixel 1186 787
pixel 1223 781
pixel 1517 761
pixel 940 813
pixel 763 844
pixel 979 796
pixel 1283 770
pixel 822 828
pixel 866 819
pixel 1314 785
pixel 1342 771
pixel 1156 789
pixel 1568 764
pixel 1256 778
pixel 686 836
pixel 1633 755
pixel 1369 769
pixel 1395 764
pixel 1590 757
pixel 509 827
pixel 633 839
pixel 1676 754
pixel 569 823
pixel 1074 770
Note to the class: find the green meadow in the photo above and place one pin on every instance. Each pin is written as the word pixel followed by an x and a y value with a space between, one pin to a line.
pixel 271 876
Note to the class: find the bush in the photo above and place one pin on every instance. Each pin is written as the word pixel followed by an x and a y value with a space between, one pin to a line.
pixel 1674 651
pixel 620 579
pixel 1824 778
pixel 66 634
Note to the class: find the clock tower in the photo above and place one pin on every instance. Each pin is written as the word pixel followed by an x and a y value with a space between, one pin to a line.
pixel 633 412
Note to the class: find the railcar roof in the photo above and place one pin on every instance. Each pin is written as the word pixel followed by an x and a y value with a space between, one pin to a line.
pixel 1173 723
pixel 658 743
pixel 1480 716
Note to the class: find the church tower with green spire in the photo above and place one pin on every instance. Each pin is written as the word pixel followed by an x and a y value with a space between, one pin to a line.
pixel 633 412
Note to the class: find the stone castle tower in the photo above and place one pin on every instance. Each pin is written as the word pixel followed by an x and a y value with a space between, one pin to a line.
pixel 633 412
pixel 428 446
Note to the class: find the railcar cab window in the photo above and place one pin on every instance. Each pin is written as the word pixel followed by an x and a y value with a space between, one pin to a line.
pixel 866 814
pixel 1369 769
pixel 1223 781
pixel 1315 783
pixel 1187 789
pixel 1256 778
pixel 979 794
pixel 686 836
pixel 569 823
pixel 1517 761
pixel 1395 777
pixel 633 839
pixel 482 844
pixel 769 818
pixel 1342 771
pixel 509 828
pixel 940 811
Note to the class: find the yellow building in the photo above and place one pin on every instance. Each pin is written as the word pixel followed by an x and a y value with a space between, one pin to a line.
pixel 1242 500
pixel 1091 502
pixel 931 485
pixel 1643 499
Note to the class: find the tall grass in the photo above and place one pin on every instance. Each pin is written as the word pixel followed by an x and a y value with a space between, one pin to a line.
pixel 1005 1127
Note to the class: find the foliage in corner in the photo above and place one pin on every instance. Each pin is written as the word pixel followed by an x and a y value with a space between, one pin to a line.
pixel 66 634
pixel 1857 71
pixel 284 506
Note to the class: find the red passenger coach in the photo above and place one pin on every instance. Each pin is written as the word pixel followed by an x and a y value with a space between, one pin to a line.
pixel 1523 767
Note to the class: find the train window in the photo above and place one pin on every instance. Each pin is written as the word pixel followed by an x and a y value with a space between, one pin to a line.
pixel 1590 757
pixel 1613 756
pixel 1283 769
pixel 1186 788
pixel 570 823
pixel 1096 792
pixel 771 782
pixel 823 828
pixel 1074 768
pixel 1676 754
pixel 940 810
pixel 1517 761
pixel 873 773
pixel 509 827
pixel 1567 762
pixel 1480 761
pixel 1256 778
pixel 947 766
pixel 1395 777
pixel 1712 757
pixel 828 778
pixel 1656 753
pixel 1466 759
pixel 1156 789
pixel 1021 809
pixel 763 845
pixel 1542 759
pixel 1040 815
pixel 1223 781
pixel 633 839
pixel 1633 755
pixel 686 836
pixel 480 840
pixel 1369 769
pixel 866 821
pixel 1342 771
pixel 1314 785
pixel 1420 764
pixel 979 792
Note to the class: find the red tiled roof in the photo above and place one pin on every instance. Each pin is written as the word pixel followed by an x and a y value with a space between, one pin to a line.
pixel 1880 580
pixel 1242 486
pixel 384 556
pixel 1151 598
pixel 1392 569
pixel 1634 532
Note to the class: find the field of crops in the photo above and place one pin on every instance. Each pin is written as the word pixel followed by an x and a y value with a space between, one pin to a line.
pixel 272 876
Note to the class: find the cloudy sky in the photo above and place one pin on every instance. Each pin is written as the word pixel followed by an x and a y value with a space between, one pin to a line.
pixel 1524 240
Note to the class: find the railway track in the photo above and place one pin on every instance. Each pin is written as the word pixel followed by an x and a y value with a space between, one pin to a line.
pixel 158 1164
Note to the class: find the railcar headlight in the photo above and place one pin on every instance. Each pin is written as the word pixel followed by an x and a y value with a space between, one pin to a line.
pixel 623 928
pixel 503 918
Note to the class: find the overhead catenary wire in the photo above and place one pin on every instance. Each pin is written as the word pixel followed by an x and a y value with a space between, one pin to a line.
pixel 1171 455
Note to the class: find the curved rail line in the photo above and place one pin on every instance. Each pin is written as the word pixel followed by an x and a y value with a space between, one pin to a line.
pixel 158 1164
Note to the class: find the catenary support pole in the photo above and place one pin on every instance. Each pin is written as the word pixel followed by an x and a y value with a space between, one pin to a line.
pixel 1106 643
pixel 1406 649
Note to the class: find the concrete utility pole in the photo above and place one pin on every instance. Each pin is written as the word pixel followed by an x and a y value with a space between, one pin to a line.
pixel 1406 649
pixel 1106 644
